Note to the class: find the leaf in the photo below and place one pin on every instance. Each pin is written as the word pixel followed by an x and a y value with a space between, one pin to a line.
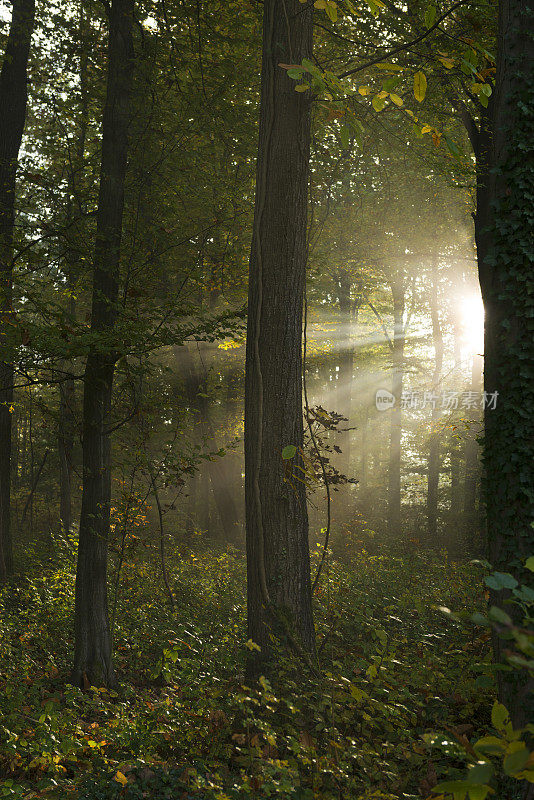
pixel 396 99
pixel 331 10
pixel 378 103
pixel 252 646
pixel 302 87
pixel 490 744
pixel 295 73
pixel 478 792
pixel 500 580
pixel 529 563
pixel 364 91
pixel 452 147
pixel 120 778
pixel 480 773
pixel 289 451
pixel 430 16
pixel 515 762
pixel 419 86
pixel 500 717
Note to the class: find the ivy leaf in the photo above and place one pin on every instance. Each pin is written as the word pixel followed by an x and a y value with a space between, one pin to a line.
pixel 419 86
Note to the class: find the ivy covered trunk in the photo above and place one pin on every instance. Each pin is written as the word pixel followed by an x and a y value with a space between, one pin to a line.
pixel 13 101
pixel 278 579
pixel 507 280
pixel 92 657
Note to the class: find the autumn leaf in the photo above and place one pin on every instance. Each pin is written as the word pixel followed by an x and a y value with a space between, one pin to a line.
pixel 419 86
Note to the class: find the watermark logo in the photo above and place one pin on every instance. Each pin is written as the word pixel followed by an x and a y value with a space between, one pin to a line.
pixel 445 401
pixel 384 399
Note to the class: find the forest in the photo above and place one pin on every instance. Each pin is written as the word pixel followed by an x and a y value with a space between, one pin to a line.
pixel 267 399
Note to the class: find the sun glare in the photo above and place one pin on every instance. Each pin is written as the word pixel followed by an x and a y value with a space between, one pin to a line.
pixel 473 322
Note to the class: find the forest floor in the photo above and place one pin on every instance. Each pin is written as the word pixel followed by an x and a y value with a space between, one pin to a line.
pixel 404 686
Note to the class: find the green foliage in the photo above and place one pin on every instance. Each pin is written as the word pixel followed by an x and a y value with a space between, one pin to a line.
pixel 183 723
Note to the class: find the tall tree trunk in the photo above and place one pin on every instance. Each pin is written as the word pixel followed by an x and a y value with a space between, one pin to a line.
pixel 506 271
pixel 92 657
pixel 278 564
pixel 13 102
pixel 74 235
pixel 471 450
pixel 215 471
pixel 346 365
pixel 435 437
pixel 394 471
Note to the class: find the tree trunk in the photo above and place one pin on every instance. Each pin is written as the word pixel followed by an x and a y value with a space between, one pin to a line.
pixel 278 564
pixel 346 365
pixel 506 276
pixel 74 234
pixel 435 437
pixel 394 472
pixel 92 658
pixel 215 471
pixel 471 450
pixel 13 101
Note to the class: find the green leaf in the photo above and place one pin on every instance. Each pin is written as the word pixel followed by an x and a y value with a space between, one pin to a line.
pixel 430 16
pixel 501 580
pixel 378 103
pixel 480 773
pixel 478 792
pixel 500 718
pixel 289 451
pixel 419 86
pixel 515 762
pixel 529 563
pixel 453 148
pixel 295 73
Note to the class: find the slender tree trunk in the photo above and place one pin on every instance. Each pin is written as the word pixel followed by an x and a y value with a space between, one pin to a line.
pixel 394 472
pixel 13 102
pixel 74 235
pixel 346 366
pixel 278 565
pixel 215 471
pixel 471 460
pixel 92 658
pixel 506 268
pixel 435 437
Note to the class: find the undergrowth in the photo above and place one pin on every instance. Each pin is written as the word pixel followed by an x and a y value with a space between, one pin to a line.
pixel 402 686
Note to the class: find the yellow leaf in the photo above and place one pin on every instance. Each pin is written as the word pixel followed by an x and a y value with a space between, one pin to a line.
pixel 397 100
pixel 364 90
pixel 448 63
pixel 120 778
pixel 426 129
pixel 302 87
pixel 419 86
pixel 252 645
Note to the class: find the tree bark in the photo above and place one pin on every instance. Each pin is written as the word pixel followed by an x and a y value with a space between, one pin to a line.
pixel 92 657
pixel 506 277
pixel 434 448
pixel 471 452
pixel 13 102
pixel 278 565
pixel 394 471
